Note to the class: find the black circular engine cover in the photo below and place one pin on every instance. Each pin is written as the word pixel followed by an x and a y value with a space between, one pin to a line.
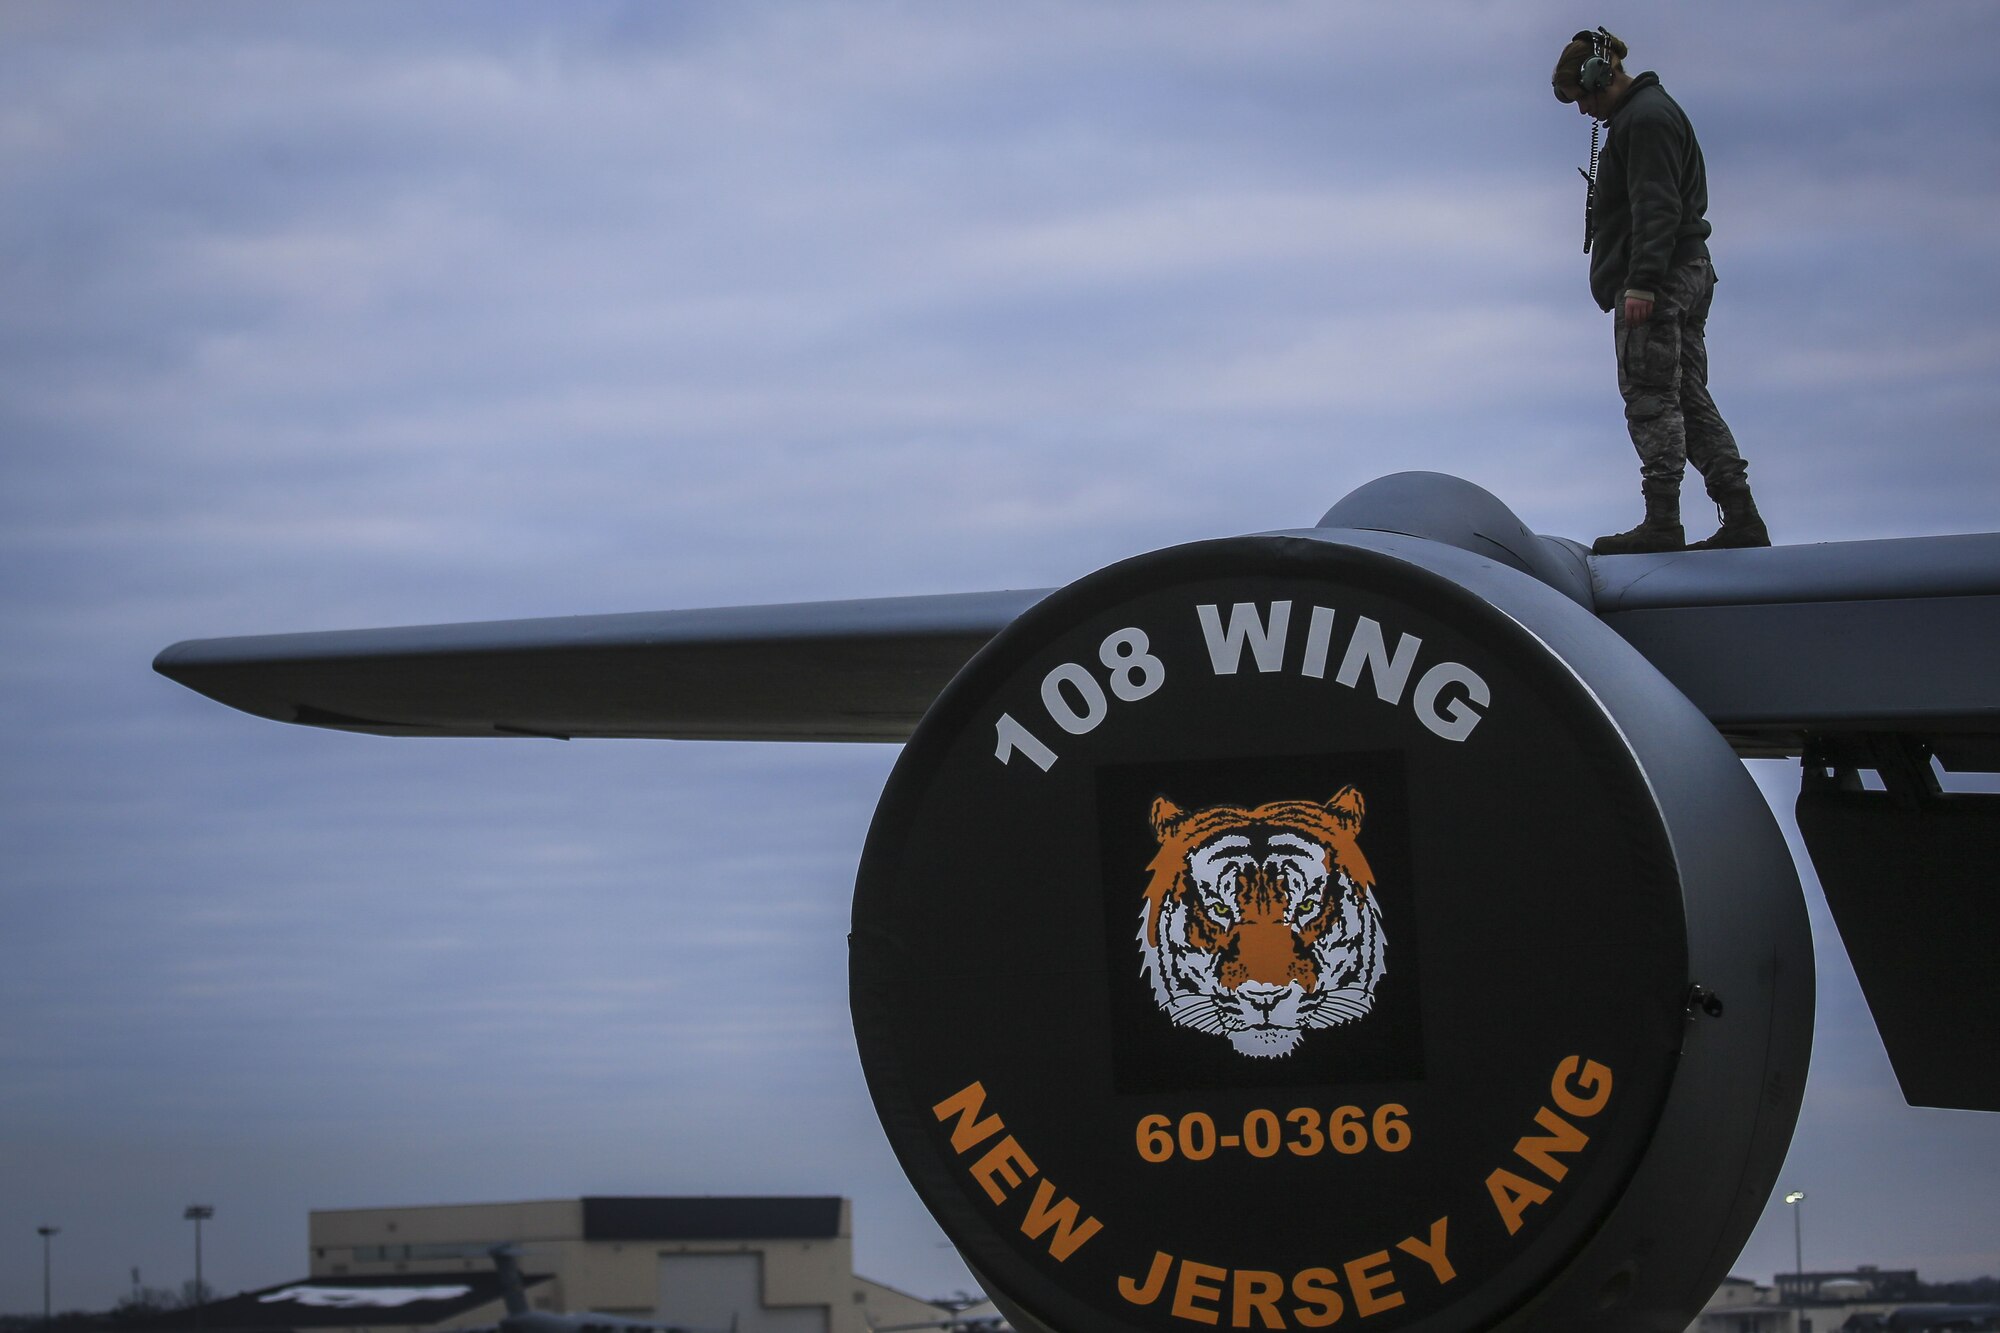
pixel 1329 928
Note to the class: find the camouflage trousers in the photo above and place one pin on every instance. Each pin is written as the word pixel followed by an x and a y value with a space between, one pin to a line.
pixel 1663 377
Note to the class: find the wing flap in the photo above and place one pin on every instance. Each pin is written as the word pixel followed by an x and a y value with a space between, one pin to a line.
pixel 1909 877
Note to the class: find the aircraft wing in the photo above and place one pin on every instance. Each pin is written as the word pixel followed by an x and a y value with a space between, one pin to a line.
pixel 1784 645
pixel 1873 657
pixel 1775 645
pixel 813 671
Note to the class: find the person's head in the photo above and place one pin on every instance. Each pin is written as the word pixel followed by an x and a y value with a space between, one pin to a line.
pixel 1586 72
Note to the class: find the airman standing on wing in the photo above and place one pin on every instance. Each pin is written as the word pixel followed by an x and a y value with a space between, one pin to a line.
pixel 1649 266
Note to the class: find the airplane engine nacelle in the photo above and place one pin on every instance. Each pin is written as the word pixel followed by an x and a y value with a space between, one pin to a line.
pixel 1328 927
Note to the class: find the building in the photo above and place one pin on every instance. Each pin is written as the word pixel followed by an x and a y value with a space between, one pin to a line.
pixel 752 1264
pixel 1851 1286
pixel 1740 1305
pixel 1864 1300
pixel 689 1260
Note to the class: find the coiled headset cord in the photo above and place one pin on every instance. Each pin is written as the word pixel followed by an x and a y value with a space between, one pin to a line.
pixel 1590 184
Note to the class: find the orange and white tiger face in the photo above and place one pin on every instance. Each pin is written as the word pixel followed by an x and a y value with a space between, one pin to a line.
pixel 1261 923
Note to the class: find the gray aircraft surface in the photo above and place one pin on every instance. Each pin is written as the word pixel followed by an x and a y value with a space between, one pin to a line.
pixel 1529 724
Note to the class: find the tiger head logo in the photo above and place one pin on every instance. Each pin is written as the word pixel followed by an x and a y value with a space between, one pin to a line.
pixel 1259 924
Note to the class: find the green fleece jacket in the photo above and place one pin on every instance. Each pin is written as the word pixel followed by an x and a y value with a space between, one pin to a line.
pixel 1652 192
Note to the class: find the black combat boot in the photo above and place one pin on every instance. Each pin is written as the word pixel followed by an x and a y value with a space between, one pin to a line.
pixel 1661 531
pixel 1741 524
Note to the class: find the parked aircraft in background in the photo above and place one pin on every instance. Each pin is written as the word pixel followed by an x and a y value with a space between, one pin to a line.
pixel 521 1318
pixel 960 1323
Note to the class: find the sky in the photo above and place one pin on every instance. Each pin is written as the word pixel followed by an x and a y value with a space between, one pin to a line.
pixel 332 315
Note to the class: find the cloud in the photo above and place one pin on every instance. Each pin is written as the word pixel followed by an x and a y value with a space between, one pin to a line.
pixel 371 314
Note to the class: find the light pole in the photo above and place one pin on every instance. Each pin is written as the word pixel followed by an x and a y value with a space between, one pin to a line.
pixel 1794 1199
pixel 47 1234
pixel 198 1213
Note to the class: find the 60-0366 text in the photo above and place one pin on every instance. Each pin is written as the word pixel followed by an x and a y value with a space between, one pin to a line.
pixel 1302 1131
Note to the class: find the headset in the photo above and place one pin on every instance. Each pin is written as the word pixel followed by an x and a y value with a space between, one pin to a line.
pixel 1595 76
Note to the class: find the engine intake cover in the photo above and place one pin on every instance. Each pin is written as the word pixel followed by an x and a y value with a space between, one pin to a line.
pixel 1330 928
